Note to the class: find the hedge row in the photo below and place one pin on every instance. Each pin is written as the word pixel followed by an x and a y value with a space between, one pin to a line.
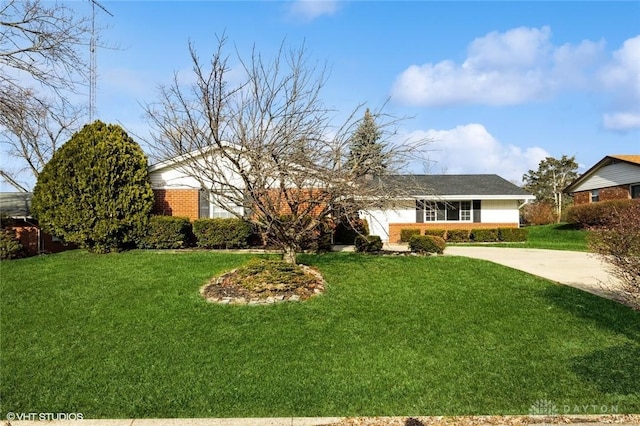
pixel 473 235
pixel 596 214
pixel 169 232
pixel 222 233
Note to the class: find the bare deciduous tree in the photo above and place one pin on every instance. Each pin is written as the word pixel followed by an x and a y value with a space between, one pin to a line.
pixel 41 65
pixel 618 244
pixel 264 148
pixel 35 129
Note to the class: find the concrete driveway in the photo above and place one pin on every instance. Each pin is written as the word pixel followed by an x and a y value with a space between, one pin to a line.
pixel 577 269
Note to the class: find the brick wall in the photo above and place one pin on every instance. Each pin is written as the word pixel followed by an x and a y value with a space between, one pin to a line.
pixel 615 193
pixel 394 228
pixel 27 234
pixel 176 202
pixel 583 197
pixel 606 194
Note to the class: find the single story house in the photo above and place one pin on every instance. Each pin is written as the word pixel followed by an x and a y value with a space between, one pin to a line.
pixel 440 201
pixel 471 201
pixel 615 177
pixel 15 209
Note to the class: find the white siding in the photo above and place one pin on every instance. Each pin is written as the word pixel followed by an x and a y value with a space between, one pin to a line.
pixel 611 175
pixel 181 176
pixel 172 179
pixel 499 211
pixel 379 220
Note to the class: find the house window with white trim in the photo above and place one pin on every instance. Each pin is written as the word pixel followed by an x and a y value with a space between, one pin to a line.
pixel 213 209
pixel 595 195
pixel 465 211
pixel 635 191
pixel 450 211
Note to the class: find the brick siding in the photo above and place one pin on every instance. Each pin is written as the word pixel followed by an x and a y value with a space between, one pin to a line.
pixel 606 194
pixel 176 202
pixel 583 197
pixel 27 234
pixel 394 228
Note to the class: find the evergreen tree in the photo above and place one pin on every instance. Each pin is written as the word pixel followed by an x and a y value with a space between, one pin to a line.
pixel 366 156
pixel 95 191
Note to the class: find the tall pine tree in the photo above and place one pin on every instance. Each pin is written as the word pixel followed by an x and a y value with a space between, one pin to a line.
pixel 366 155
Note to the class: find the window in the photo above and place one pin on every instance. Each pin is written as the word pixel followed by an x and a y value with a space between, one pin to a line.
pixel 635 191
pixel 208 209
pixel 430 213
pixel 595 195
pixel 217 211
pixel 451 211
pixel 465 210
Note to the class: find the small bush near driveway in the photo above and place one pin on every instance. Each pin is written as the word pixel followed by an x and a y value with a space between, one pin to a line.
pixel 426 244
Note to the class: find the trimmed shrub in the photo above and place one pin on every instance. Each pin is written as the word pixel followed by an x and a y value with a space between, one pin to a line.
pixel 458 235
pixel 95 190
pixel 10 247
pixel 436 233
pixel 513 235
pixel 426 244
pixel 368 244
pixel 168 232
pixel 406 234
pixel 221 233
pixel 484 235
pixel 320 238
pixel 595 214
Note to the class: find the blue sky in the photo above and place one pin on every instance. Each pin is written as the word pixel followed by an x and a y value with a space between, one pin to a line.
pixel 497 85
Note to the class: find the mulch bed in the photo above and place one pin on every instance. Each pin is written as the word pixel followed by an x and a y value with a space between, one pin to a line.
pixel 228 287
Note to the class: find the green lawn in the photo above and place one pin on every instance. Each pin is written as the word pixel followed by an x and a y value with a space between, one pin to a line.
pixel 554 237
pixel 127 335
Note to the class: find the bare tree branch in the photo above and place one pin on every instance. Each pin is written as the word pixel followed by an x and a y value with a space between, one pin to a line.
pixel 42 63
pixel 265 148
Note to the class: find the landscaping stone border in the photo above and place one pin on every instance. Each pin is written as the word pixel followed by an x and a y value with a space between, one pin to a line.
pixel 269 300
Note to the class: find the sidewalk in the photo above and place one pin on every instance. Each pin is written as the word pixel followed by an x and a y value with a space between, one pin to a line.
pixel 589 420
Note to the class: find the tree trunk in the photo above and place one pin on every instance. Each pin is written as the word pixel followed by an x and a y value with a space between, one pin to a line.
pixel 289 255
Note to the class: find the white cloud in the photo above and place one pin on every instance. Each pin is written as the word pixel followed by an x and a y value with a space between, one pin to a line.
pixel 621 79
pixel 517 48
pixel 308 10
pixel 621 121
pixel 513 67
pixel 470 148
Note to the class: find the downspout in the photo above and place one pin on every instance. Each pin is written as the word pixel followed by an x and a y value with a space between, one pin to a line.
pixel 38 235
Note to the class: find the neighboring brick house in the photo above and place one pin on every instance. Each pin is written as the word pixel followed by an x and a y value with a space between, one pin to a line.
pixel 15 208
pixel 451 202
pixel 615 177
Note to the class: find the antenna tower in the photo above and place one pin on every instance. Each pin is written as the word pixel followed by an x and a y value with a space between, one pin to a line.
pixel 93 67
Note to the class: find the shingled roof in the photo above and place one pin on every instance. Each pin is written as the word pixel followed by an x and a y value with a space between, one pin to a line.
pixel 15 204
pixel 466 186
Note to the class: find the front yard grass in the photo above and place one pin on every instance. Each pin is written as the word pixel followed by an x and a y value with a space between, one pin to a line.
pixel 128 335
pixel 561 236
